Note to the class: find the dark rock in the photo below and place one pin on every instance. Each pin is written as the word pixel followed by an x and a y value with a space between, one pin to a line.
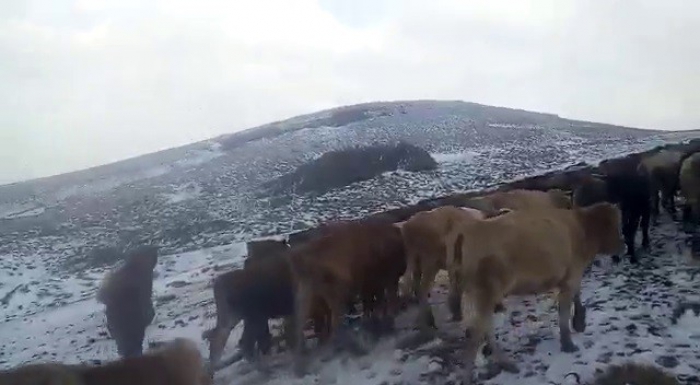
pixel 341 168
pixel 668 361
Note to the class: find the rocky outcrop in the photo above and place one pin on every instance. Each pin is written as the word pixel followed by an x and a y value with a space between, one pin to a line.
pixel 341 168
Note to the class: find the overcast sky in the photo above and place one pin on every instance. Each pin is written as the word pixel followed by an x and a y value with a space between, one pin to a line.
pixel 86 82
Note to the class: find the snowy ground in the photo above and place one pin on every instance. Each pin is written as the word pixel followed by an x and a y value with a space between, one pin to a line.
pixel 629 318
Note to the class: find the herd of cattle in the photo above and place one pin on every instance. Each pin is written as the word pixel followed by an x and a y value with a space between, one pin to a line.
pixel 511 241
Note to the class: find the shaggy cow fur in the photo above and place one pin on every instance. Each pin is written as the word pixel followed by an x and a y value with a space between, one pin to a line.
pixel 528 252
pixel 126 293
pixel 177 362
pixel 42 373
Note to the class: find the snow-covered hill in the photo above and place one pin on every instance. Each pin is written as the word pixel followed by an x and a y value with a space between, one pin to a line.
pixel 206 194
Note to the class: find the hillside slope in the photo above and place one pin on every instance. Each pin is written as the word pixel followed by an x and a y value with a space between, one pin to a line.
pixel 207 193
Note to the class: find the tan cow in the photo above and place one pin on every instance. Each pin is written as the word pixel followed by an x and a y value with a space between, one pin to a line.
pixel 527 252
pixel 423 236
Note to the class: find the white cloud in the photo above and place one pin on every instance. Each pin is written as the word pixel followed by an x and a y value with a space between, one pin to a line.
pixel 92 81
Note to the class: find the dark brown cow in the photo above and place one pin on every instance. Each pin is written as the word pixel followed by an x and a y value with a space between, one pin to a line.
pixel 690 189
pixel 262 290
pixel 126 293
pixel 663 168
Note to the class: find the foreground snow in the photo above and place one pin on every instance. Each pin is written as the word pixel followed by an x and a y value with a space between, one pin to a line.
pixel 629 318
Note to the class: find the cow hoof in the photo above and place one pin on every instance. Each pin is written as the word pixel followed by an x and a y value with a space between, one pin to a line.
pixel 634 260
pixel 616 259
pixel 569 347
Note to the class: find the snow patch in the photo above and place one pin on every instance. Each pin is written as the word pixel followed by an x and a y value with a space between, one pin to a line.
pixel 183 193
pixel 12 211
pixel 455 157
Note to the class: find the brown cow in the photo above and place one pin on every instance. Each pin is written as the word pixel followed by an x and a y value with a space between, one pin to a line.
pixel 662 168
pixel 627 165
pixel 632 193
pixel 177 362
pixel 528 252
pixel 690 189
pixel 423 236
pixel 590 190
pixel 126 293
pixel 365 257
pixel 263 290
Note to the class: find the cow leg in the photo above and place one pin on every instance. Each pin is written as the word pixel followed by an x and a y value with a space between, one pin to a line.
pixel 655 205
pixel 218 336
pixel 288 331
pixel 644 223
pixel 481 329
pixel 302 309
pixel 127 326
pixel 579 320
pixel 565 303
pixel 672 203
pixel 628 230
pixel 410 288
pixel 391 305
pixel 263 336
pixel 426 320
pixel 321 321
pixel 247 341
pixel 454 299
pixel 415 289
pixel 340 335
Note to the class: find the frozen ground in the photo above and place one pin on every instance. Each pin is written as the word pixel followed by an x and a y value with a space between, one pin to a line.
pixel 629 318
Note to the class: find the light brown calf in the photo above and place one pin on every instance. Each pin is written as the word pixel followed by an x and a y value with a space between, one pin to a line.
pixel 423 237
pixel 177 362
pixel 527 252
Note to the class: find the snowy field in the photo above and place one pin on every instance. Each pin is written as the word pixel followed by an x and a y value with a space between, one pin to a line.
pixel 629 318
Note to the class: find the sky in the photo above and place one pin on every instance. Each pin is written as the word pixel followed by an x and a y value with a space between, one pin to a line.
pixel 88 82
